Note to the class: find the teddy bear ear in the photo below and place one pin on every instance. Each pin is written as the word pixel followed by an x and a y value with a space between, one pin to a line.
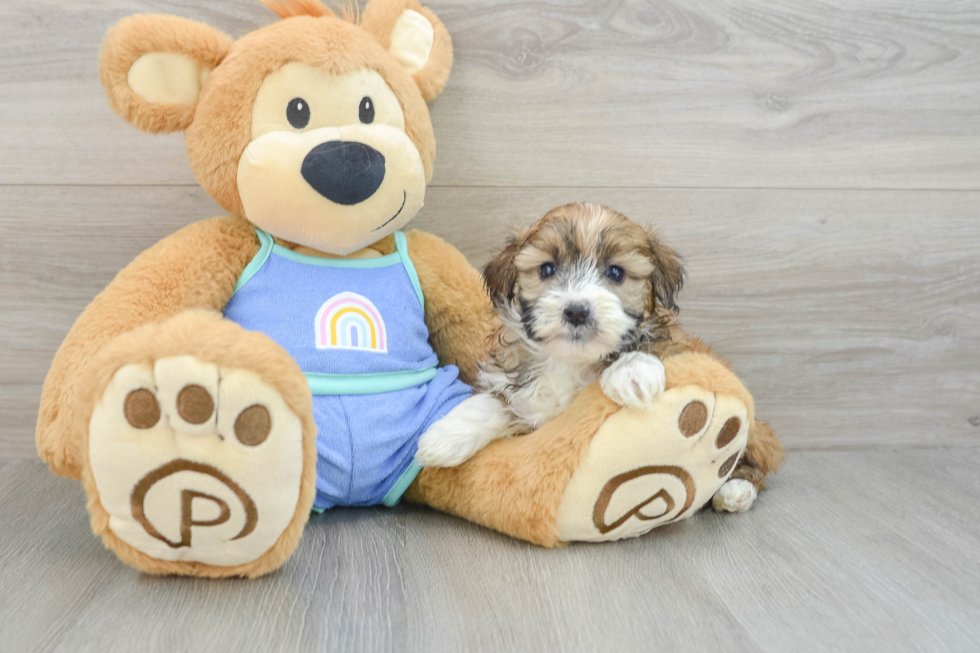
pixel 153 68
pixel 416 38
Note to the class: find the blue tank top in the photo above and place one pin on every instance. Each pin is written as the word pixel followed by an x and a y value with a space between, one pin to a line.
pixel 354 326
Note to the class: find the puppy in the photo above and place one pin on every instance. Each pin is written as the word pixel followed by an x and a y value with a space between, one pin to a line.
pixel 582 295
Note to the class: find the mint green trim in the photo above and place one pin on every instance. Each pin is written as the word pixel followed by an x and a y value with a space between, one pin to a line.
pixel 378 262
pixel 368 384
pixel 265 248
pixel 401 485
pixel 318 511
pixel 401 247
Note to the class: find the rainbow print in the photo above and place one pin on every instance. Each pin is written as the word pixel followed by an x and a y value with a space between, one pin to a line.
pixel 350 321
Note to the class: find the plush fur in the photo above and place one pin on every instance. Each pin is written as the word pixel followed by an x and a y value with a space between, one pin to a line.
pixel 216 139
pixel 166 303
pixel 515 485
pixel 149 310
pixel 380 18
pixel 136 36
pixel 457 311
pixel 198 266
pixel 217 127
pixel 207 337
pixel 292 8
pixel 764 452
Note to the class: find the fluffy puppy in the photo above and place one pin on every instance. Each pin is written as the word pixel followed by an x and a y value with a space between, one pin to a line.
pixel 584 294
pixel 580 296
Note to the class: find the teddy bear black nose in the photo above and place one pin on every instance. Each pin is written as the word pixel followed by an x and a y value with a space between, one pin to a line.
pixel 345 172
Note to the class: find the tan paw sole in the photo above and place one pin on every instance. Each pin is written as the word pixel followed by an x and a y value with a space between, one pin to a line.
pixel 195 464
pixel 653 466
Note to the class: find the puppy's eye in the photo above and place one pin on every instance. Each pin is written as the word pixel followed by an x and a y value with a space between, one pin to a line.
pixel 615 274
pixel 298 113
pixel 366 110
pixel 547 270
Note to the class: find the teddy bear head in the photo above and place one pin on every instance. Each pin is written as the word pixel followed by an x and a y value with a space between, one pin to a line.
pixel 314 128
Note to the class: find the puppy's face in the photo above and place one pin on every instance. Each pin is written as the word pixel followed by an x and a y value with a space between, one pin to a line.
pixel 584 282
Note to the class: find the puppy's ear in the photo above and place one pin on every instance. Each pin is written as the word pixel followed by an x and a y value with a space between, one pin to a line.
pixel 500 275
pixel 668 274
pixel 415 37
pixel 153 68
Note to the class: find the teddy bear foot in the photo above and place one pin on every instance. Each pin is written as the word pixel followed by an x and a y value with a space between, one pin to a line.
pixel 193 467
pixel 194 463
pixel 646 467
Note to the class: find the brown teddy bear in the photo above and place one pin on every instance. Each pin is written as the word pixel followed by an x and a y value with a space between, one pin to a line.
pixel 248 369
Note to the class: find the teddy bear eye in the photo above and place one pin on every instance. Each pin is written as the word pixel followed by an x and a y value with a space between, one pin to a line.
pixel 298 113
pixel 366 110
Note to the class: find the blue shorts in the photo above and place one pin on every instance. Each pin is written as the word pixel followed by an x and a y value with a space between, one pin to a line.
pixel 366 444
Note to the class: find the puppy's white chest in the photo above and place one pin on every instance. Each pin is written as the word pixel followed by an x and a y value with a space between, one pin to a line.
pixel 548 395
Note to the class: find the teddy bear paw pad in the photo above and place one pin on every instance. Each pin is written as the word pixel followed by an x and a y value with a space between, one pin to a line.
pixel 651 466
pixel 195 463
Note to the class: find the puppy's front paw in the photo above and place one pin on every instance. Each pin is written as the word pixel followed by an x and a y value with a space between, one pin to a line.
pixel 634 379
pixel 465 430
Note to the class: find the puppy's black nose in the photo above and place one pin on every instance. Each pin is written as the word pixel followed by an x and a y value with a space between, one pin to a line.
pixel 577 314
pixel 345 172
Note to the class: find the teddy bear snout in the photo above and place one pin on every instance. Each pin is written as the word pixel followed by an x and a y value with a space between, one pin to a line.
pixel 345 172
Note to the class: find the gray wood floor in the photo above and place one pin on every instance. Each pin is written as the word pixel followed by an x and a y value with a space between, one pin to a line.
pixel 868 551
pixel 818 165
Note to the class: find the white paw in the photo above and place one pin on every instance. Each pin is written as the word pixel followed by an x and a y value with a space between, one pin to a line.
pixel 634 379
pixel 466 429
pixel 736 495
pixel 194 462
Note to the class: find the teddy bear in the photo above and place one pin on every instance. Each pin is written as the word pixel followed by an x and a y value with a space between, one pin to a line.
pixel 285 358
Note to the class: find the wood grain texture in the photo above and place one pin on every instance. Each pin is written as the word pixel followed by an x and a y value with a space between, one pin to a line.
pixel 854 317
pixel 623 93
pixel 850 551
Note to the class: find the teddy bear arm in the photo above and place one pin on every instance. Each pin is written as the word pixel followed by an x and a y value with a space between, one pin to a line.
pixel 456 304
pixel 194 268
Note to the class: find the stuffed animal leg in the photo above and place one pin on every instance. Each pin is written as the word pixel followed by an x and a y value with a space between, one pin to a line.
pixel 598 471
pixel 193 438
pixel 601 472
